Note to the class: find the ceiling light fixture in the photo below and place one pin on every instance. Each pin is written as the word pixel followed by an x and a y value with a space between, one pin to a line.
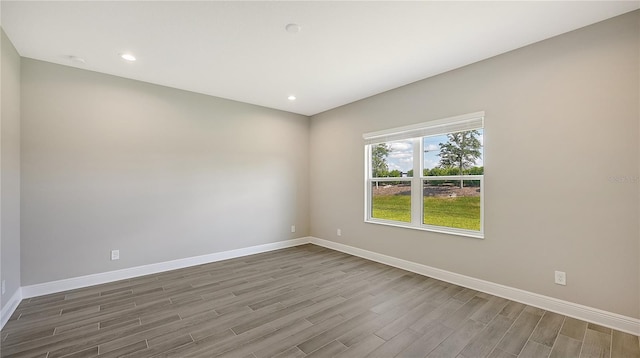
pixel 291 98
pixel 293 28
pixel 76 59
pixel 127 56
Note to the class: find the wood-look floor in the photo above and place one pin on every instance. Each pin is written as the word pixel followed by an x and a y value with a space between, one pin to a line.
pixel 305 301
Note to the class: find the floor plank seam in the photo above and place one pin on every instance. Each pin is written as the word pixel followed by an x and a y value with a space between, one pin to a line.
pixel 557 336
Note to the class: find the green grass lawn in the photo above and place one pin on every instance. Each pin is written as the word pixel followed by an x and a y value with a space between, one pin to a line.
pixel 392 207
pixel 460 212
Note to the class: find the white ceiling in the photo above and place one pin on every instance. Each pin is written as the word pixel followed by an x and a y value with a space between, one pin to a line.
pixel 346 51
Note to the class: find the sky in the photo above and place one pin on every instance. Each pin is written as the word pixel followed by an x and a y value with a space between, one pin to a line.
pixel 401 154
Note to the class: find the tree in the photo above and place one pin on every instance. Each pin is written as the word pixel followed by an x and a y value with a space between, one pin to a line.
pixel 476 171
pixel 395 173
pixel 461 151
pixel 379 165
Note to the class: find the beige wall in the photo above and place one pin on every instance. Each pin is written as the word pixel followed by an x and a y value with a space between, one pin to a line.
pixel 562 118
pixel 10 168
pixel 158 173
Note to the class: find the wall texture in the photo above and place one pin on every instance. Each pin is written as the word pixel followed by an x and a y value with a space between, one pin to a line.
pixel 10 171
pixel 158 173
pixel 561 164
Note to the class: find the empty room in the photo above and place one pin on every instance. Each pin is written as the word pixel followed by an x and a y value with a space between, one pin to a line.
pixel 320 179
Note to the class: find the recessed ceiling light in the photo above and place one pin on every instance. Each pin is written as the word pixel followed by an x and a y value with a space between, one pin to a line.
pixel 291 98
pixel 127 56
pixel 76 59
pixel 293 28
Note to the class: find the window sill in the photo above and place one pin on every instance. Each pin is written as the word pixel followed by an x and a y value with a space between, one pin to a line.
pixel 438 229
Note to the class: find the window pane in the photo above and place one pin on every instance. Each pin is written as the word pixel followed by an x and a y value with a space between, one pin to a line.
pixel 392 159
pixel 391 200
pixel 452 203
pixel 445 154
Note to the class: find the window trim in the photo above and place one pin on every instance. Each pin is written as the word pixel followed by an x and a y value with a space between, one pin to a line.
pixel 439 126
pixel 416 133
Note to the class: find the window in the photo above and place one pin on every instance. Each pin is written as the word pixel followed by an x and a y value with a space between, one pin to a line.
pixel 447 195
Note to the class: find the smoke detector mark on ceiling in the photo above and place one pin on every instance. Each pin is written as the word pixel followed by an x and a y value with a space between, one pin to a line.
pixel 293 28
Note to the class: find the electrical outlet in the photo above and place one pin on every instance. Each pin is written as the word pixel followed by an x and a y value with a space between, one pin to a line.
pixel 561 278
pixel 339 232
pixel 4 286
pixel 293 228
pixel 115 255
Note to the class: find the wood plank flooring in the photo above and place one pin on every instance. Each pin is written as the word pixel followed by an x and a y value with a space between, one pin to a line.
pixel 305 301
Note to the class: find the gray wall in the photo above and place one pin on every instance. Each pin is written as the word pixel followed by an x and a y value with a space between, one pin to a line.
pixel 561 120
pixel 163 174
pixel 158 173
pixel 10 171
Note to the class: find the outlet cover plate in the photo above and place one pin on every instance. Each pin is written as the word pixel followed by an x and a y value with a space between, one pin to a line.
pixel 561 278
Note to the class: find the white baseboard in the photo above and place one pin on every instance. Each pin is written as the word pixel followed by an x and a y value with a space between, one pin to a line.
pixel 589 314
pixel 105 277
pixel 10 307
pixel 585 313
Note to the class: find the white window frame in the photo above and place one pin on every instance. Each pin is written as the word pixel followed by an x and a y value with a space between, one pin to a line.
pixel 415 133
